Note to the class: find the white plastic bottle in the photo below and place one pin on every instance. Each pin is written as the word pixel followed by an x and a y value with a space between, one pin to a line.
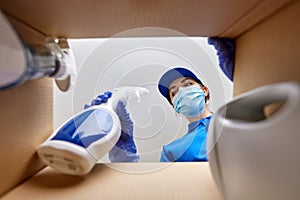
pixel 76 146
pixel 253 155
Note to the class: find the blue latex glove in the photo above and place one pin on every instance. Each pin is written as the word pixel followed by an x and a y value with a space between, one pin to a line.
pixel 101 98
pixel 225 50
pixel 125 148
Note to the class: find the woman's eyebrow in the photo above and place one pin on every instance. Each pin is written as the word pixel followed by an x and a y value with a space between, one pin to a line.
pixel 183 80
pixel 172 87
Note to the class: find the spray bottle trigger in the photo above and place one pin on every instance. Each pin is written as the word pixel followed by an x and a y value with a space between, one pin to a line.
pixel 127 92
pixel 140 91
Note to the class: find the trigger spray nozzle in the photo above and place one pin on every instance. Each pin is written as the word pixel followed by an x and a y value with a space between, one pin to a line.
pixel 127 92
pixel 139 91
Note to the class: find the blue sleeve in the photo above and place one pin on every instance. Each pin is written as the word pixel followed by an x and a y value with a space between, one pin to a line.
pixel 166 156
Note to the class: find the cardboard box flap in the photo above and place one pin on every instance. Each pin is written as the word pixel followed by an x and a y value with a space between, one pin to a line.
pixel 100 19
pixel 26 121
pixel 172 181
pixel 269 52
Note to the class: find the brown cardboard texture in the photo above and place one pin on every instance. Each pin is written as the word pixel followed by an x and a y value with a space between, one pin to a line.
pixel 267 46
pixel 100 19
pixel 26 121
pixel 269 52
pixel 175 181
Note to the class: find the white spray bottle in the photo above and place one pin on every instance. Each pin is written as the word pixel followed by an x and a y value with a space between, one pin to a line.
pixel 76 146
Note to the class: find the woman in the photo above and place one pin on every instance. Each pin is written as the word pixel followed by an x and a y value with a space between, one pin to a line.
pixel 188 96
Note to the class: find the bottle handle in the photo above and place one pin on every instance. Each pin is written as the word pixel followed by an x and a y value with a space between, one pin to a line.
pixel 250 106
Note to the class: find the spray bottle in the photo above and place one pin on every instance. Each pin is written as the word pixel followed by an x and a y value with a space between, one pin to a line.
pixel 76 146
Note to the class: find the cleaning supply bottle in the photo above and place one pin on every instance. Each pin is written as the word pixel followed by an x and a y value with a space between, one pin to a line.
pixel 254 153
pixel 76 146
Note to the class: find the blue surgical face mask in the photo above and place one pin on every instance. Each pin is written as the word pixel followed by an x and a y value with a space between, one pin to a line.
pixel 189 101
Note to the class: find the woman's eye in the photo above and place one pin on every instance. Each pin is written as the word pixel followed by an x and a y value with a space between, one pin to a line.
pixel 173 93
pixel 188 84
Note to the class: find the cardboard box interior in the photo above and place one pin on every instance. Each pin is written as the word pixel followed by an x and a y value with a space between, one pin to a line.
pixel 267 47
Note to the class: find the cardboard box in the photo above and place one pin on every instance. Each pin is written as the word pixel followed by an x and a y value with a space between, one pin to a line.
pixel 267 46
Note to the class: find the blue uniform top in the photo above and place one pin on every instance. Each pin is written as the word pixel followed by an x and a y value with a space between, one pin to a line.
pixel 190 147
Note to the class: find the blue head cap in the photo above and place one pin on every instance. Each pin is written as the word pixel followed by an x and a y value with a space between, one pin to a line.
pixel 172 74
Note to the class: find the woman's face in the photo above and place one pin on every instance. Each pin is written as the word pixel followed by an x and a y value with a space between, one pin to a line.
pixel 183 82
